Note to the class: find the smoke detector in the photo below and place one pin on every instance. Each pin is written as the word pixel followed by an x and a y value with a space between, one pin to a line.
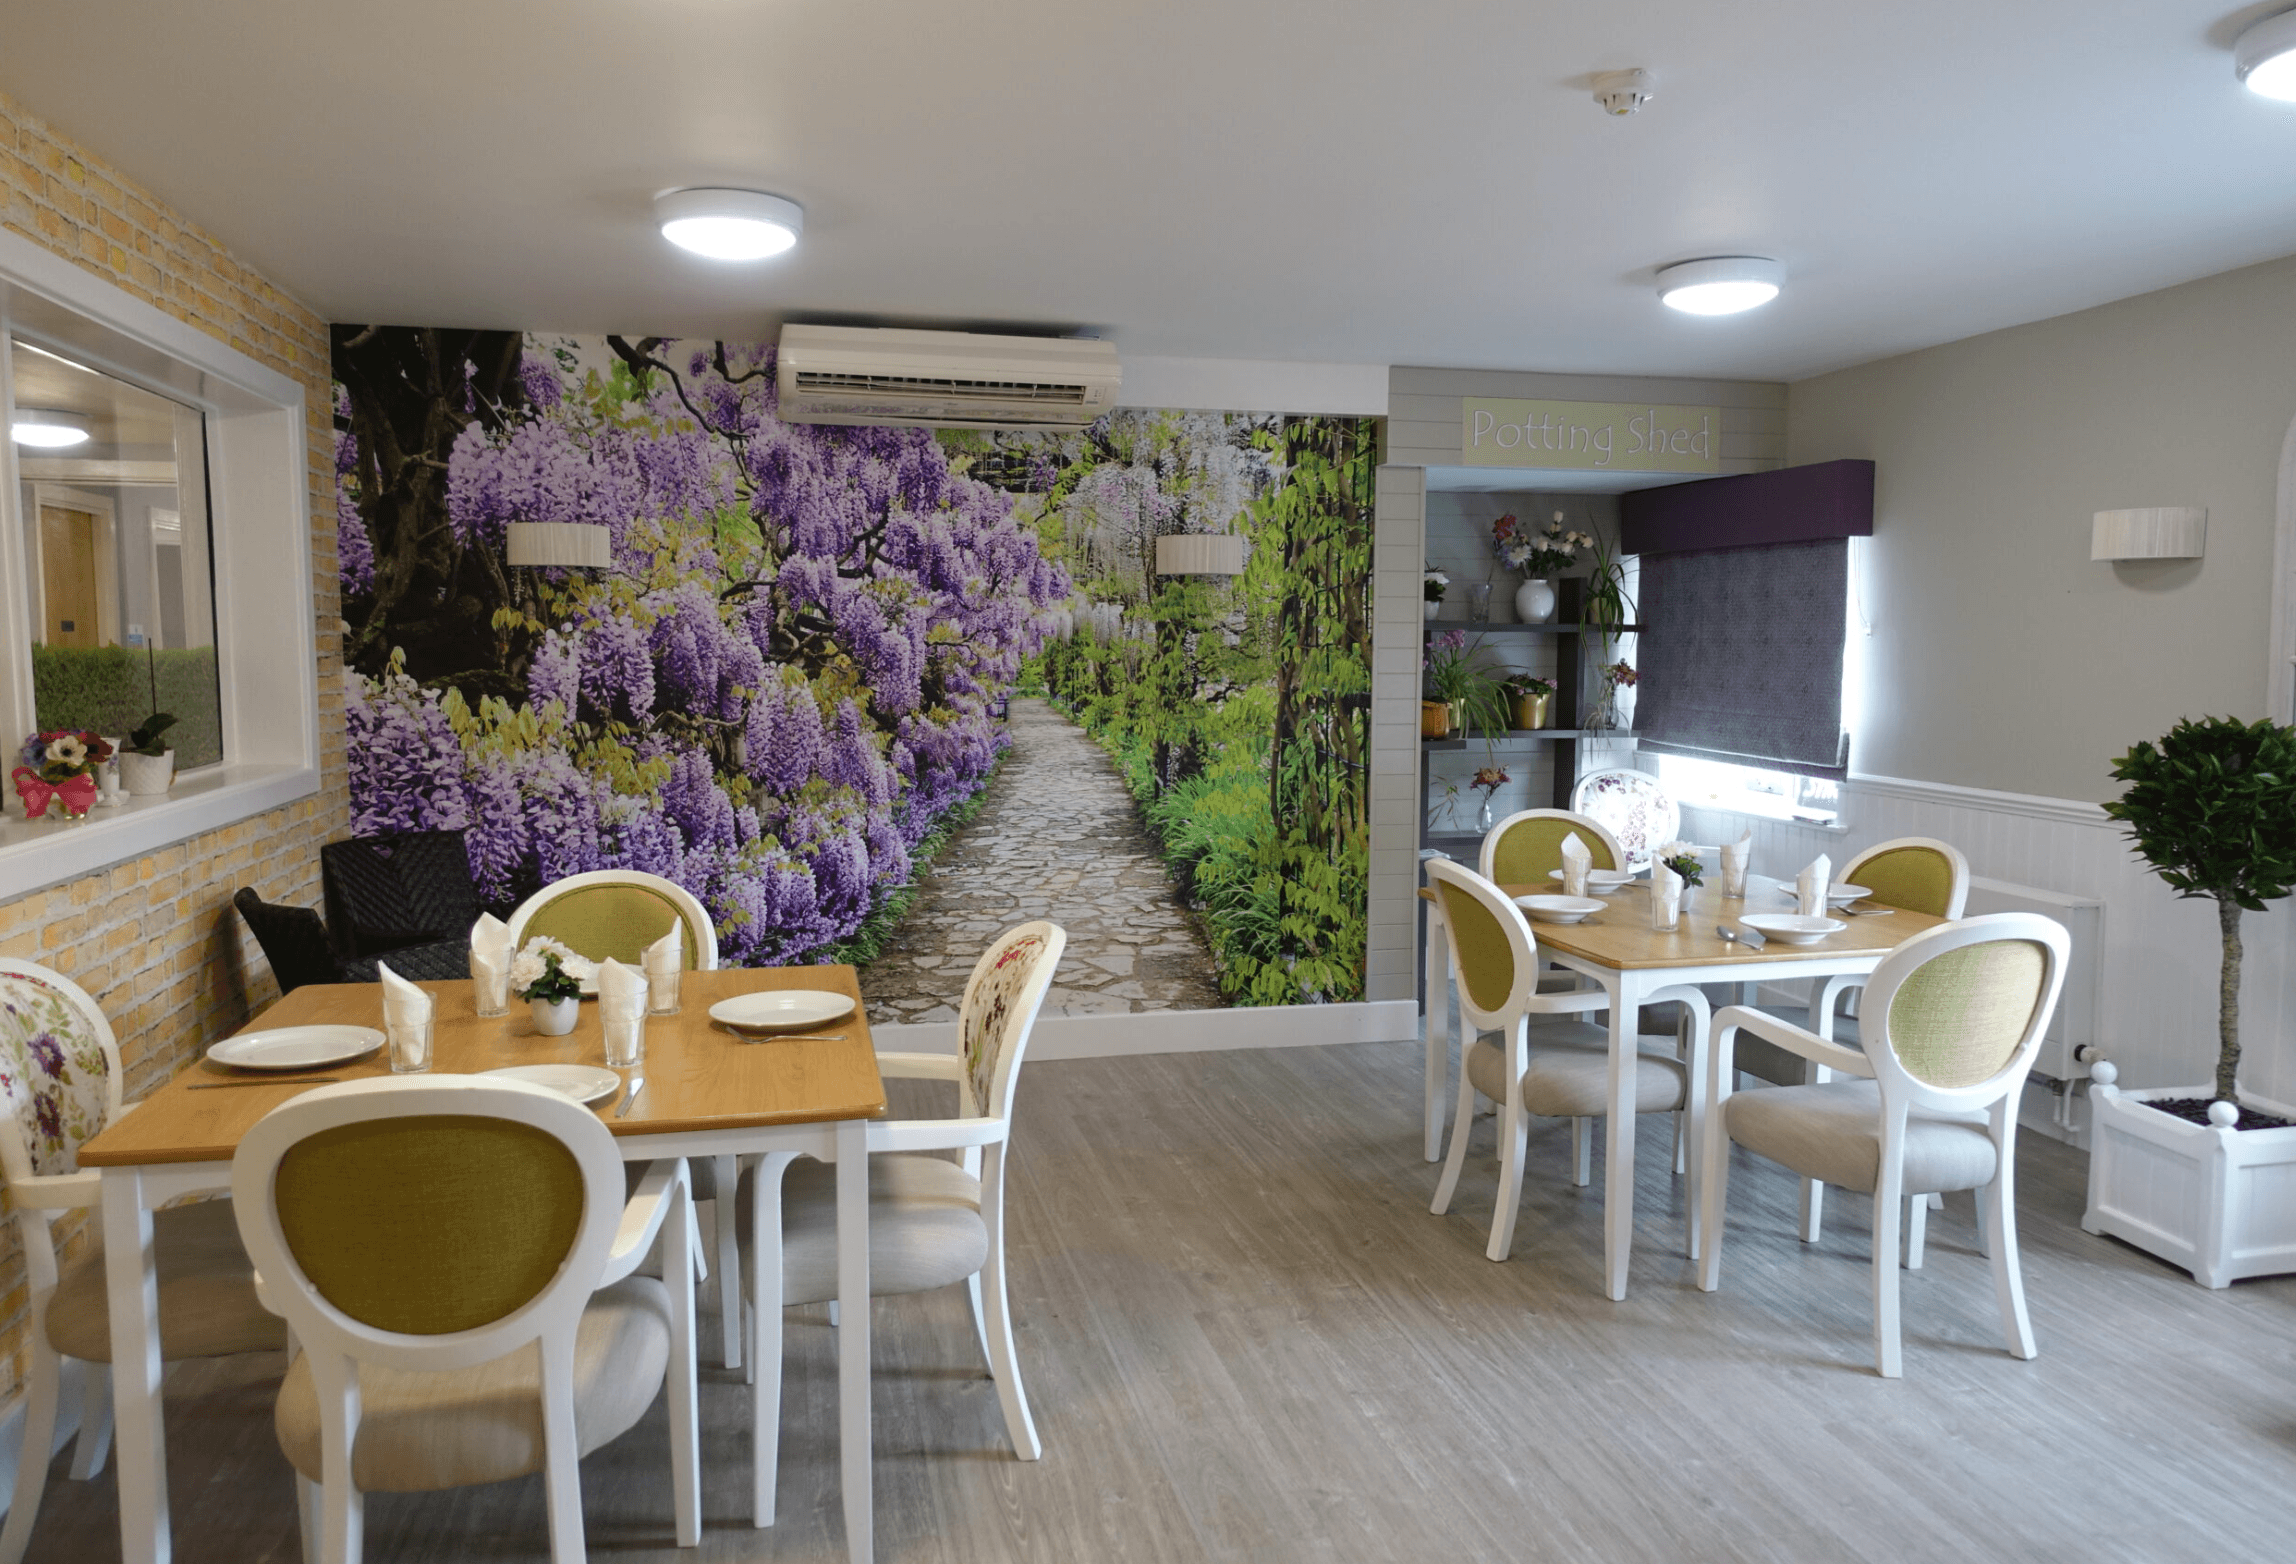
pixel 1621 92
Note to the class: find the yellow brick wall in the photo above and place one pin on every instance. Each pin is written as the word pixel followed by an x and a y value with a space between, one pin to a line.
pixel 155 940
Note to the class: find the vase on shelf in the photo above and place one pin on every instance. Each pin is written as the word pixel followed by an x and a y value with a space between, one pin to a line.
pixel 1535 602
pixel 1479 602
pixel 1532 711
pixel 1459 718
pixel 1434 720
pixel 1434 607
pixel 1604 717
pixel 1483 817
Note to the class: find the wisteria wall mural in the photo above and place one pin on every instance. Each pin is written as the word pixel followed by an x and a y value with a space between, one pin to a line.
pixel 791 686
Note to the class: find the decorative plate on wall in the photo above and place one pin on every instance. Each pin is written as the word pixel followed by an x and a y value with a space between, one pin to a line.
pixel 1632 807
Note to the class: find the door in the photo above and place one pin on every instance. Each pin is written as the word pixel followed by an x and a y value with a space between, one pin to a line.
pixel 68 577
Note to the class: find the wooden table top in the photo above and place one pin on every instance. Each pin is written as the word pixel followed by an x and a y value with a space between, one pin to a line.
pixel 698 1075
pixel 1621 937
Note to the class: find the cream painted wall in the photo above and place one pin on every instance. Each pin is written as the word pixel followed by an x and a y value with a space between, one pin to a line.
pixel 2001 657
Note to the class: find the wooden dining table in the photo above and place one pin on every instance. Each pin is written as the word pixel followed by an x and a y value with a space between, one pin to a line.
pixel 1636 965
pixel 707 1093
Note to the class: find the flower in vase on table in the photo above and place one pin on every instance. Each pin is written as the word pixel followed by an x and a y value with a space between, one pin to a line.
pixel 546 970
pixel 1682 858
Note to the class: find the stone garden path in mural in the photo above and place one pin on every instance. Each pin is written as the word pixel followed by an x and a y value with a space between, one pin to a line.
pixel 1058 838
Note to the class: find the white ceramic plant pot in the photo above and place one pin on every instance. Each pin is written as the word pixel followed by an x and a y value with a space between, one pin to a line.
pixel 2219 1202
pixel 1535 602
pixel 146 775
pixel 1434 606
pixel 554 1017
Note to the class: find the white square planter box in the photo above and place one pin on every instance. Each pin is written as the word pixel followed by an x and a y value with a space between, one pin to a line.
pixel 2219 1202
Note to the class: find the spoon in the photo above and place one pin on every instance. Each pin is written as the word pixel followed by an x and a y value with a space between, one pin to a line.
pixel 1731 936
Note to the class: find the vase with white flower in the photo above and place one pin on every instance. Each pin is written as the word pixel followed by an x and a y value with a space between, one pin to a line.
pixel 1432 586
pixel 548 976
pixel 58 771
pixel 1536 556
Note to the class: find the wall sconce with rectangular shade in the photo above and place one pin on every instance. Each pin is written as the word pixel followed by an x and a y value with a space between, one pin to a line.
pixel 567 545
pixel 2161 532
pixel 1200 554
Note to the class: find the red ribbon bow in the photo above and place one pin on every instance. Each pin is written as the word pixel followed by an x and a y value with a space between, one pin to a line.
pixel 76 794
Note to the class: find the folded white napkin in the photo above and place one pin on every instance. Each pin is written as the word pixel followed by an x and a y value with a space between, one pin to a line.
pixel 1810 886
pixel 1576 861
pixel 621 991
pixel 403 1003
pixel 1735 856
pixel 489 948
pixel 1665 894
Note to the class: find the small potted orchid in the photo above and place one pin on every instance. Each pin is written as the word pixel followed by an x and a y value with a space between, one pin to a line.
pixel 549 977
pixel 1536 556
pixel 59 767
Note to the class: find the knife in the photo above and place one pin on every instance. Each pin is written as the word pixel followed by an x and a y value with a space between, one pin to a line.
pixel 637 1085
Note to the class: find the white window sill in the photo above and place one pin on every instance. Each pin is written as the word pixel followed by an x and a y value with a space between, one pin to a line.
pixel 35 854
pixel 1773 816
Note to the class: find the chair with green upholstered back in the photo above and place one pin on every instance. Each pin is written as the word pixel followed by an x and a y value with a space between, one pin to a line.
pixel 458 1258
pixel 1527 847
pixel 1952 1020
pixel 1555 1068
pixel 617 913
pixel 60 1085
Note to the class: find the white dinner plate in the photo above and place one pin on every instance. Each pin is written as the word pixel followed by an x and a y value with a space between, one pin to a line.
pixel 1558 909
pixel 782 1010
pixel 296 1047
pixel 1792 927
pixel 1836 895
pixel 1600 882
pixel 582 1082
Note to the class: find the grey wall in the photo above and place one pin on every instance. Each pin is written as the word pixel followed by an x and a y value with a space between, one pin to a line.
pixel 2001 657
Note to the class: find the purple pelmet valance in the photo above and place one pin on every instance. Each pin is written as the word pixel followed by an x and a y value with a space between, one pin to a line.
pixel 1789 505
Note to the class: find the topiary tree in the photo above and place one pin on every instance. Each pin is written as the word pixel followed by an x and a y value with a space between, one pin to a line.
pixel 2212 807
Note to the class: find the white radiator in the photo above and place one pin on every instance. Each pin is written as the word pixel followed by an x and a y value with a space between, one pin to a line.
pixel 2075 1023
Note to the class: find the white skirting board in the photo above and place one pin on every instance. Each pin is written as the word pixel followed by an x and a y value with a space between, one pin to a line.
pixel 12 1430
pixel 1183 1031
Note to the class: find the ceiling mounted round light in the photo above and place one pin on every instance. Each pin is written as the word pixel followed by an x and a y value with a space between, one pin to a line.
pixel 1719 284
pixel 2265 57
pixel 729 225
pixel 48 431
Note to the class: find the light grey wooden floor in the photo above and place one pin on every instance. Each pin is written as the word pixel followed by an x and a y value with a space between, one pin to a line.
pixel 1246 1339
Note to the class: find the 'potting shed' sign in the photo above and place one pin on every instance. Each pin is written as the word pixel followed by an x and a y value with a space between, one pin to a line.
pixel 1499 431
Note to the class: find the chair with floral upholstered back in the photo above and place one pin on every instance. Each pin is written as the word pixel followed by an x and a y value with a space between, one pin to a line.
pixel 60 1085
pixel 932 1222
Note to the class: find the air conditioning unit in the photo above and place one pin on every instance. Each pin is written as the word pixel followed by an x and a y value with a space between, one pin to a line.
pixel 945 379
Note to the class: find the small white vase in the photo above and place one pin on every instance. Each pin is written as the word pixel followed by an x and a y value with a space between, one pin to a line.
pixel 554 1017
pixel 1535 602
pixel 146 775
pixel 1434 607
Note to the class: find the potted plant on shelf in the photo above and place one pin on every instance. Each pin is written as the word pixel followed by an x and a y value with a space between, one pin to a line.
pixel 2188 1173
pixel 58 770
pixel 147 761
pixel 1456 676
pixel 1535 557
pixel 1616 676
pixel 1433 585
pixel 1530 699
pixel 1605 607
pixel 1487 781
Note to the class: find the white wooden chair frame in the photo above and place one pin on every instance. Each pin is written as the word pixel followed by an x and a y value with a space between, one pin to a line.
pixel 982 1131
pixel 1442 1042
pixel 1827 996
pixel 37 1200
pixel 721 1171
pixel 1901 1092
pixel 1511 1019
pixel 614 1236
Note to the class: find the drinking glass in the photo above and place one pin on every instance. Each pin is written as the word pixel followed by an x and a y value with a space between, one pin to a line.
pixel 493 991
pixel 1663 919
pixel 625 1041
pixel 410 1044
pixel 1733 878
pixel 662 991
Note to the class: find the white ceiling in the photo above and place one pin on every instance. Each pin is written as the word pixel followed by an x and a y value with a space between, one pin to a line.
pixel 1323 180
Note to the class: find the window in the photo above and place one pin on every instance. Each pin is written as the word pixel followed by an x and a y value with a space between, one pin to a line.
pixel 1748 790
pixel 161 535
pixel 113 506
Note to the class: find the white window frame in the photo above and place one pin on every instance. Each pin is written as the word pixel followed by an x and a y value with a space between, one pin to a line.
pixel 258 455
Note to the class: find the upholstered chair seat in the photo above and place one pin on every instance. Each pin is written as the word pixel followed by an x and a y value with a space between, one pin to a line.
pixel 421 1431
pixel 207 1303
pixel 925 1227
pixel 1832 1133
pixel 1569 1072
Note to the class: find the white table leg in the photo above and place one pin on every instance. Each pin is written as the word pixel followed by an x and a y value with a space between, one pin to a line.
pixel 853 1337
pixel 1618 1144
pixel 1438 1031
pixel 685 1425
pixel 139 1431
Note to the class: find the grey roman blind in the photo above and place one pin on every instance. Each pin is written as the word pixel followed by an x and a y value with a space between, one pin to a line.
pixel 1741 657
